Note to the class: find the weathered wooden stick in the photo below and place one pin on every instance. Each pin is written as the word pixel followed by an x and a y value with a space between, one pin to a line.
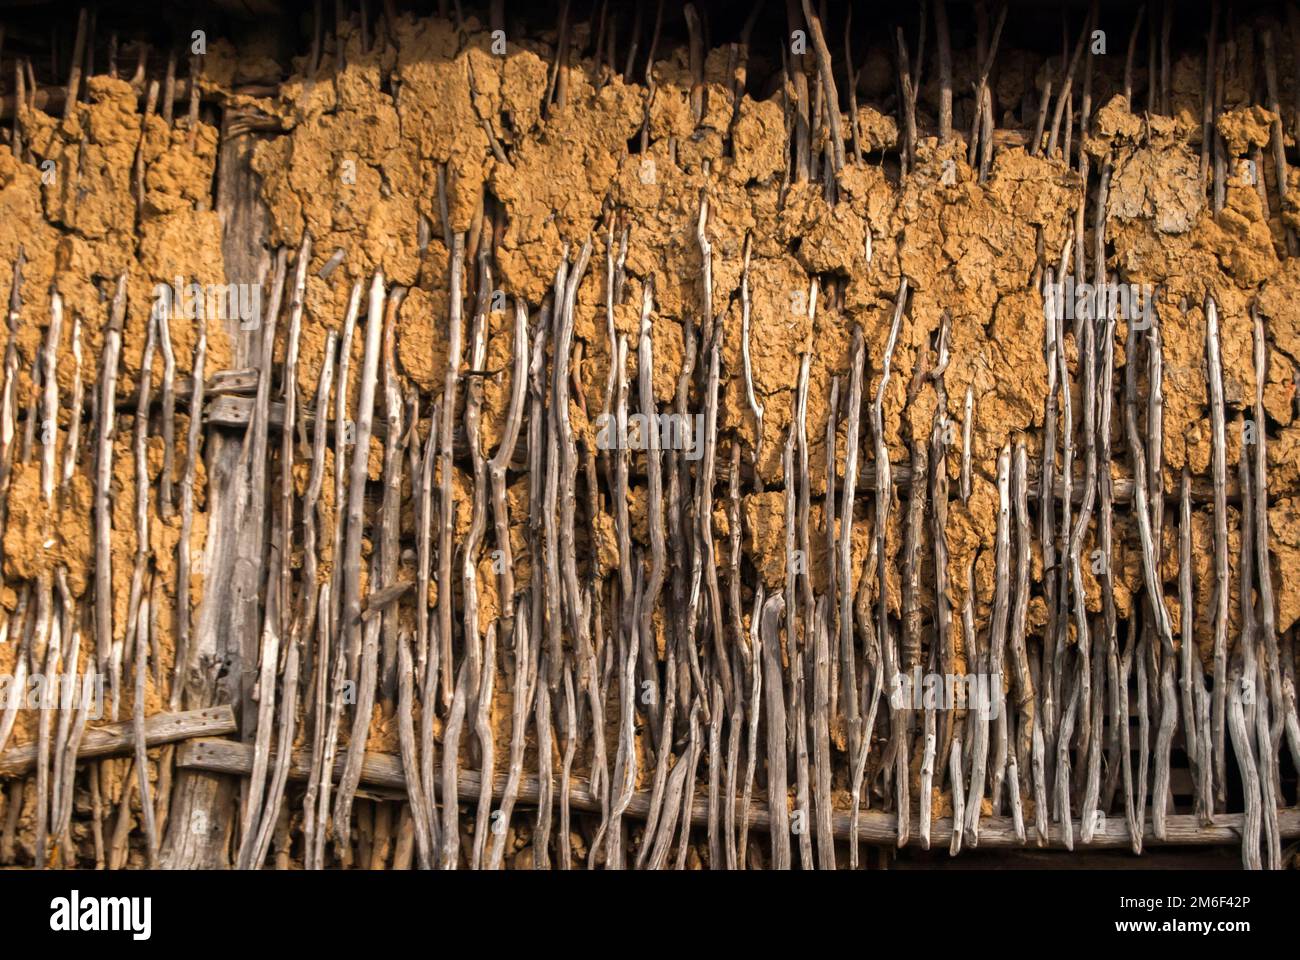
pixel 544 592
pixel 688 576
pixel 483 731
pixel 1060 620
pixel 72 722
pixel 469 548
pixel 74 74
pixel 166 499
pixel 1029 741
pixel 1141 654
pixel 797 75
pixel 832 558
pixel 1207 91
pixel 545 777
pixel 911 653
pixel 799 573
pixel 506 583
pixel 778 810
pixel 907 94
pixel 940 440
pixel 9 393
pixel 820 652
pixel 1220 149
pixel 874 666
pixel 828 79
pixel 1189 661
pixel 10 715
pixel 566 772
pixel 1269 788
pixel 1253 691
pixel 1277 137
pixel 279 597
pixel 344 436
pixel 287 436
pixel 142 486
pixel 660 782
pixel 1086 332
pixel 1062 785
pixel 751 743
pixel 265 695
pixel 1282 693
pixel 180 677
pixel 103 481
pixel 1044 103
pixel 118 846
pixel 525 678
pixel 852 75
pixel 930 745
pixel 736 721
pixel 693 752
pixel 315 596
pixel 707 471
pixel 1066 88
pixel 390 588
pixel 1245 754
pixel 445 504
pixel 630 636
pixel 884 503
pixel 568 466
pixel 998 628
pixel 1150 563
pixel 1214 374
pixel 46 645
pixel 288 724
pixel 674 789
pixel 72 447
pixel 1105 535
pixel 945 71
pixel 914 519
pixel 351 626
pixel 956 777
pixel 247 579
pixel 847 658
pixel 1164 624
pixel 980 119
pixel 333 629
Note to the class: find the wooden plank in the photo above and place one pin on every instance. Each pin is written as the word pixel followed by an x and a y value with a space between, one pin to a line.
pixel 219 662
pixel 219 384
pixel 385 770
pixel 119 738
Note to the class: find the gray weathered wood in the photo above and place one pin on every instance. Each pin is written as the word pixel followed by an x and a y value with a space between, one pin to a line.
pixel 118 738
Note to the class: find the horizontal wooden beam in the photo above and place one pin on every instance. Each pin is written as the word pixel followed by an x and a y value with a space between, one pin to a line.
pixel 120 737
pixel 234 409
pixel 874 826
